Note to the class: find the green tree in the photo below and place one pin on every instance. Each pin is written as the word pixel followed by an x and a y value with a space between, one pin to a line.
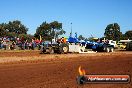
pixel 128 34
pixel 12 29
pixel 81 37
pixel 49 31
pixel 112 31
pixel 3 29
pixel 16 27
pixel 90 38
pixel 56 29
pixel 44 31
pixel 86 39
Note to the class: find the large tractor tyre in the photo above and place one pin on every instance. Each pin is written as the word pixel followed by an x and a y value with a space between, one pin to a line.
pixel 51 50
pixel 63 49
pixel 42 50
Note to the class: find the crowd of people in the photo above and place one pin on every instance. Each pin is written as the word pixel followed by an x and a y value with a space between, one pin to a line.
pixel 17 43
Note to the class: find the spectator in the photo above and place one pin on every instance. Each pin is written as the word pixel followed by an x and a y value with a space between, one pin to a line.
pixel 26 44
pixel 30 45
pixel 1 39
pixel 4 45
pixel 0 44
pixel 33 44
pixel 14 44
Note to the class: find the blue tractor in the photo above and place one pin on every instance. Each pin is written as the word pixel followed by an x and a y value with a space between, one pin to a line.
pixel 100 46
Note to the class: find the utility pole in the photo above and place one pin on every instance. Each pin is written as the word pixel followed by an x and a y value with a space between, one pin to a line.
pixel 71 30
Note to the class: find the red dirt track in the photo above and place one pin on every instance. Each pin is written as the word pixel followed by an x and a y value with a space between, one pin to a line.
pixel 29 69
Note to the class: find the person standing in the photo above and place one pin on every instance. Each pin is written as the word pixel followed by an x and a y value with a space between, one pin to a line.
pixel 0 44
pixel 13 44
pixel 4 45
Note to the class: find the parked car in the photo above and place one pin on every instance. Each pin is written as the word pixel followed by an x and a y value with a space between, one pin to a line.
pixel 121 46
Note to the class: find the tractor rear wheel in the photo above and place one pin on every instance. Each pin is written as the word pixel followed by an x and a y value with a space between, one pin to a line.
pixel 51 50
pixel 63 48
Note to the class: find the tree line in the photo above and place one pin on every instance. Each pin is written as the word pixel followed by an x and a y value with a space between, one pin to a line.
pixel 46 30
pixel 49 31
pixel 12 28
pixel 53 29
pixel 113 32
